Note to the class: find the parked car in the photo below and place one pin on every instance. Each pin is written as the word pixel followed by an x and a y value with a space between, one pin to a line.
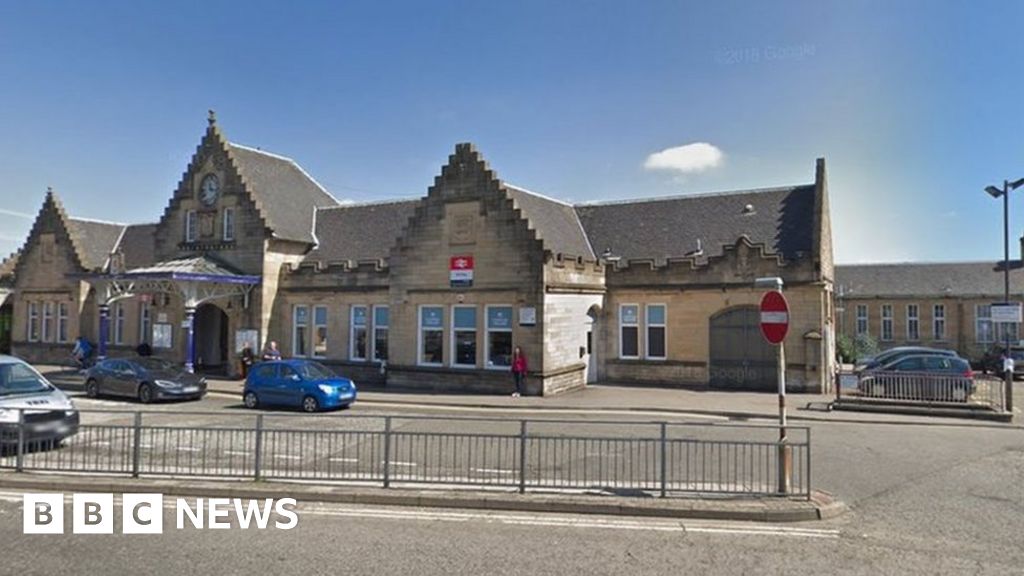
pixel 49 415
pixel 892 354
pixel 992 360
pixel 920 377
pixel 147 379
pixel 298 383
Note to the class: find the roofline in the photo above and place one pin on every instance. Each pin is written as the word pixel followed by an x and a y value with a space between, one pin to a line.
pixel 289 160
pixel 927 263
pixel 538 194
pixel 117 245
pixel 349 204
pixel 97 221
pixel 693 196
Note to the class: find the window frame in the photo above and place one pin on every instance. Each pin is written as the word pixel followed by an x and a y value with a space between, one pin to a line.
pixel 452 336
pixel 420 329
pixel 47 324
pixel 887 322
pixel 980 320
pixel 386 329
pixel 914 321
pixel 295 330
pixel 488 330
pixel 939 335
pixel 191 225
pixel 647 331
pixel 622 326
pixel 119 319
pixel 62 322
pixel 315 332
pixel 32 326
pixel 145 322
pixel 228 224
pixel 858 318
pixel 352 332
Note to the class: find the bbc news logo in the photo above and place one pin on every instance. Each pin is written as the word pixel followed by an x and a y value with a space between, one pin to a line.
pixel 144 513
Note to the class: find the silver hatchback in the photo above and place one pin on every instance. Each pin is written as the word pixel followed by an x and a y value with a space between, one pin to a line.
pixel 46 413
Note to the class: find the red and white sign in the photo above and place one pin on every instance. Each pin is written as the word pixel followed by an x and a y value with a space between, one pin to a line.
pixel 774 317
pixel 460 271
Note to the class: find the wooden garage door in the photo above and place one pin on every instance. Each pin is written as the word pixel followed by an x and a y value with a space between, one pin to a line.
pixel 740 356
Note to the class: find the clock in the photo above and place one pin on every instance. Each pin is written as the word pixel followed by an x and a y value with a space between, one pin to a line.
pixel 209 190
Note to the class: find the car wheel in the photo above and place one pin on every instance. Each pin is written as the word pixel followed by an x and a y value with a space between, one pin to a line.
pixel 310 404
pixel 250 400
pixel 92 388
pixel 145 393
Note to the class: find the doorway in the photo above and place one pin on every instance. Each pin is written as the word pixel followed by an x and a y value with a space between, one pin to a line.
pixel 211 337
pixel 739 356
pixel 590 352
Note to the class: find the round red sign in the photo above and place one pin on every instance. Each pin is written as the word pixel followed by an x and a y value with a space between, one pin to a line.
pixel 774 316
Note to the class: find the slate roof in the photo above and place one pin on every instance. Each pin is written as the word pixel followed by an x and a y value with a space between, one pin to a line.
pixel 927 279
pixel 94 240
pixel 287 196
pixel 555 222
pixel 138 245
pixel 660 228
pixel 360 231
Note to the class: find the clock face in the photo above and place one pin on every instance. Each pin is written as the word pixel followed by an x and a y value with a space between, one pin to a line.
pixel 209 190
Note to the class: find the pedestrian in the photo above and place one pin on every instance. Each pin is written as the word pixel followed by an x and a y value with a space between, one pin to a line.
pixel 82 352
pixel 247 359
pixel 519 368
pixel 144 349
pixel 271 352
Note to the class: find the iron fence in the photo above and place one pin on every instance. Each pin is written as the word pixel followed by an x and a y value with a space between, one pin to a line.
pixel 923 388
pixel 640 458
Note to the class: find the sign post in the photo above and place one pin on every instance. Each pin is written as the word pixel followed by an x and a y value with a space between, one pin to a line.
pixel 774 326
pixel 1006 313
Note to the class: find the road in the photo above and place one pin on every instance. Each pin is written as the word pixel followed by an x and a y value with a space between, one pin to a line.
pixel 926 499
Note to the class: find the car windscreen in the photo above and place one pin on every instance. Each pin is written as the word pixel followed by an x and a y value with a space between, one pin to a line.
pixel 314 371
pixel 156 364
pixel 20 379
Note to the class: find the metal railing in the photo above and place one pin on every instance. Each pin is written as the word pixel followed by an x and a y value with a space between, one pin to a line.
pixel 923 388
pixel 651 458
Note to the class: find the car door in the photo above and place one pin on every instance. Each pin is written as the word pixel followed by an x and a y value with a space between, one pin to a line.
pixel 118 378
pixel 264 383
pixel 290 386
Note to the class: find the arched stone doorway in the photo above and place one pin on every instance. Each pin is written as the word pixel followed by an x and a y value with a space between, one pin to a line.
pixel 739 355
pixel 211 334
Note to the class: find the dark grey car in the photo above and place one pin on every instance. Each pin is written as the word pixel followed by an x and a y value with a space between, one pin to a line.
pixel 147 379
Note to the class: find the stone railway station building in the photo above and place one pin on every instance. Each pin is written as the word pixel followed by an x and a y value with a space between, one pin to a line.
pixel 434 292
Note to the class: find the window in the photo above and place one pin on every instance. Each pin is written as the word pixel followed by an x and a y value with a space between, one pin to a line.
pixel 380 333
pixel 33 322
pixel 62 322
pixel 357 334
pixel 913 323
pixel 266 371
pixel 464 335
pixel 432 335
pixel 118 323
pixel 983 332
pixel 886 322
pixel 190 226
pixel 228 225
pixel 499 337
pixel 47 321
pixel 939 322
pixel 145 321
pixel 656 331
pixel 300 327
pixel 862 319
pixel 320 331
pixel 629 331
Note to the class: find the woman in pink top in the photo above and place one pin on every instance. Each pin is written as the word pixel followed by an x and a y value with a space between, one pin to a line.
pixel 518 370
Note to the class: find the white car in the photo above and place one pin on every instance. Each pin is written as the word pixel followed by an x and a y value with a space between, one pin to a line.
pixel 47 414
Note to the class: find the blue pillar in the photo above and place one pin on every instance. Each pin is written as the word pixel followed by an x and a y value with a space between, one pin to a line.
pixel 190 339
pixel 104 331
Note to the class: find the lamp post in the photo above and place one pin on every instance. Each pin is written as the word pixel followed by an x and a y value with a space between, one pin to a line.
pixel 1005 194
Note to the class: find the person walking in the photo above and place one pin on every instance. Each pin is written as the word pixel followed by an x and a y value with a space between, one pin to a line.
pixel 271 352
pixel 519 368
pixel 247 359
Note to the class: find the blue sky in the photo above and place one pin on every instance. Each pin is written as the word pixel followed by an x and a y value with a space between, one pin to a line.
pixel 917 106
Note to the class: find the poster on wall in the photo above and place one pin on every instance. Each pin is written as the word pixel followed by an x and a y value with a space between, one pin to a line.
pixel 460 271
pixel 162 335
pixel 247 336
pixel 528 316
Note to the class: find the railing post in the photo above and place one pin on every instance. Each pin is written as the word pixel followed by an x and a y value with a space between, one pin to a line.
pixel 258 459
pixel 522 456
pixel 809 485
pixel 387 451
pixel 19 463
pixel 136 444
pixel 664 457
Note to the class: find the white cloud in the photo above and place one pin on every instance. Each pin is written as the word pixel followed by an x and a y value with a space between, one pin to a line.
pixel 695 157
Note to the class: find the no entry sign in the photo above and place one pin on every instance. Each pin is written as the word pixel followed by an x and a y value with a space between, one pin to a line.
pixel 774 317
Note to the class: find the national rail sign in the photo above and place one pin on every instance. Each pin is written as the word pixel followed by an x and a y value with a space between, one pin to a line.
pixel 774 317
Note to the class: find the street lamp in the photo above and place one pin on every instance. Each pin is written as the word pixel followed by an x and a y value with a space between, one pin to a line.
pixel 1005 194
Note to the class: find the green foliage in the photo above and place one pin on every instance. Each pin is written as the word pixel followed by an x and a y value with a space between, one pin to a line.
pixel 852 349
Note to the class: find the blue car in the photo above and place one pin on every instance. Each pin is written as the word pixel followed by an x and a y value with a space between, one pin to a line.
pixel 297 383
